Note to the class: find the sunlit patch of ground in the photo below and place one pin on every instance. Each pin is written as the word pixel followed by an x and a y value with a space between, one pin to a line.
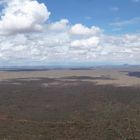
pixel 115 76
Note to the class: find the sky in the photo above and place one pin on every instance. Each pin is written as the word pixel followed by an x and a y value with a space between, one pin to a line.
pixel 102 13
pixel 69 32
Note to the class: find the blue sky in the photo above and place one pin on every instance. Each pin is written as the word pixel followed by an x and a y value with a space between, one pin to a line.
pixel 69 32
pixel 101 13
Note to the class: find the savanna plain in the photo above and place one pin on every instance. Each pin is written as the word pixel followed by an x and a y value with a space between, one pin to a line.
pixel 73 104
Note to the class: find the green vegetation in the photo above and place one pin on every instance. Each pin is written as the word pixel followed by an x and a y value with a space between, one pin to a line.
pixel 85 111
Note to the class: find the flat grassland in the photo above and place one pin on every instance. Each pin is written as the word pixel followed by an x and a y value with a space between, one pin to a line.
pixel 95 104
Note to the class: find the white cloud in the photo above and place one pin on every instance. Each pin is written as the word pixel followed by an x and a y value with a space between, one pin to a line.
pixel 60 41
pixel 79 29
pixel 90 42
pixel 59 25
pixel 21 16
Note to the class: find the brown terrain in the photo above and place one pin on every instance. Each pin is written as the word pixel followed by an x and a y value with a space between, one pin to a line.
pixel 96 104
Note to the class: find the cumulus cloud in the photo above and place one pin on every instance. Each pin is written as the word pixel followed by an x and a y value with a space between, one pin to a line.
pixel 59 25
pixel 79 29
pixel 21 16
pixel 59 41
pixel 90 42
